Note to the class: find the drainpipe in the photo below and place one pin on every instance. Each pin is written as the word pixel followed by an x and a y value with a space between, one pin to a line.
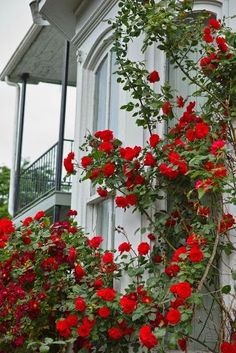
pixel 60 144
pixel 24 77
pixel 11 200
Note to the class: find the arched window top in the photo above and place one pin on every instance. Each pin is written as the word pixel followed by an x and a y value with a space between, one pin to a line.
pixel 213 6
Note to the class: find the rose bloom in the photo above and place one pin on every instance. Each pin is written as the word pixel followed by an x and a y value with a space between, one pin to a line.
pixel 98 283
pixel 182 289
pixel 83 330
pixel 107 294
pixel 79 272
pixel 166 108
pixel 182 344
pixel 108 169
pixel 106 147
pixel 195 254
pixel 108 258
pixel 104 312
pixel 115 333
pixel 149 160
pixel 131 199
pixel 80 304
pixel 214 23
pixel 63 328
pixel 102 192
pixel 146 337
pixel 105 135
pixel 26 222
pixel 154 140
pixel 172 270
pixel 121 201
pixel 143 248
pixel 178 252
pixel 86 161
pixel 39 215
pixel 173 316
pixel 180 101
pixel 153 77
pixel 226 347
pixel 128 305
pixel 95 242
pixel 201 130
pixel 124 247
pixel 72 320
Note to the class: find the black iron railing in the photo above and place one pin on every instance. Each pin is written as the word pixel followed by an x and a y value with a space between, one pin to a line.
pixel 38 179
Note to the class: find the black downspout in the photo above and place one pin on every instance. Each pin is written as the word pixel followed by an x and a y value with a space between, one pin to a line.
pixel 16 195
pixel 59 160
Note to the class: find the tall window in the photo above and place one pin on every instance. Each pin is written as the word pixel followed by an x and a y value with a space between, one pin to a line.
pixel 106 108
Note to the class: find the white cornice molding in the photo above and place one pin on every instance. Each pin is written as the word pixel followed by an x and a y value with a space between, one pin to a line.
pixel 92 22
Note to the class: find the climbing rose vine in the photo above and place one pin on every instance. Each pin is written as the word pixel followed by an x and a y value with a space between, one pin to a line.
pixel 60 289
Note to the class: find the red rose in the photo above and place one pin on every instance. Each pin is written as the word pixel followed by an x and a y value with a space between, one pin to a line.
pixel 143 248
pixel 201 130
pixel 80 304
pixel 149 160
pixel 107 294
pixel 177 254
pixel 166 108
pixel 121 201
pixel 214 23
pixel 153 76
pixel 128 305
pixel 151 236
pixel 146 337
pixel 102 192
pixel 39 215
pixel 105 135
pixel 108 169
pixel 108 258
pixel 195 254
pixel 167 171
pixel 69 166
pixel 124 247
pixel 180 101
pixel 98 283
pixel 72 320
pixel 72 254
pixel 182 289
pixel 104 312
pixel 172 270
pixel 83 330
pixel 154 140
pixel 222 45
pixel 72 213
pixel 95 242
pixel 226 347
pixel 79 272
pixel 26 222
pixel 190 135
pixel 182 344
pixel 115 333
pixel 86 161
pixel 106 147
pixel 63 328
pixel 131 199
pixel 173 316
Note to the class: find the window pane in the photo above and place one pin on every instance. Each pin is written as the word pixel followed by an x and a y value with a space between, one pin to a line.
pixel 114 95
pixel 100 96
pixel 105 222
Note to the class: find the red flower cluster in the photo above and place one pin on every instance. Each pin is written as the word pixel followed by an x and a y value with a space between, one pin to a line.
pixel 126 201
pixel 146 337
pixel 107 294
pixel 226 223
pixel 6 229
pixel 69 166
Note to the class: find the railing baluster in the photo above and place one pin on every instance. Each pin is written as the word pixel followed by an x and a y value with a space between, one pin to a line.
pixel 38 179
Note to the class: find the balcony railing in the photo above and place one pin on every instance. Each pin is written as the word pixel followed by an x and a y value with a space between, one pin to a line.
pixel 38 179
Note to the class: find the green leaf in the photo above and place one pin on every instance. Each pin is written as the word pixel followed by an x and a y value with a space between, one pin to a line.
pixel 234 275
pixel 226 289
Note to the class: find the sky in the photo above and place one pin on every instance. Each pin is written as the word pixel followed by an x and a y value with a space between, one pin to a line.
pixel 42 108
